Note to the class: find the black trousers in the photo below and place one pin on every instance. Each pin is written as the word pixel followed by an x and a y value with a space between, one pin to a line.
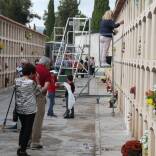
pixel 27 121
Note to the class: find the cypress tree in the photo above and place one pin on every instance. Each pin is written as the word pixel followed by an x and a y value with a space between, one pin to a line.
pixel 50 19
pixel 100 6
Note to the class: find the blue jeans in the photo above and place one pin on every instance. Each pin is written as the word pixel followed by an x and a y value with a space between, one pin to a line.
pixel 51 97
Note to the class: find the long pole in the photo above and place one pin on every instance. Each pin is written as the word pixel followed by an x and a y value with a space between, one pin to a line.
pixel 113 83
pixel 89 35
pixel 4 123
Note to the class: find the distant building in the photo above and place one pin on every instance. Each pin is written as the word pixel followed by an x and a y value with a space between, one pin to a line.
pixel 17 42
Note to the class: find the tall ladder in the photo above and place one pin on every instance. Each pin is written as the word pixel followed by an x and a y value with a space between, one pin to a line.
pixel 70 54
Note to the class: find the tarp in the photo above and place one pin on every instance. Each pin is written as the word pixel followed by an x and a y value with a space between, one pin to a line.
pixel 71 98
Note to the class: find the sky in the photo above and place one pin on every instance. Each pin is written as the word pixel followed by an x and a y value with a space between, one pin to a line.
pixel 39 6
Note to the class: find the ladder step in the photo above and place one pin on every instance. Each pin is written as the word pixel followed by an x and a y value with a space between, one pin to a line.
pixel 82 74
pixel 86 46
pixel 71 46
pixel 71 68
pixel 59 35
pixel 62 75
pixel 105 66
pixel 74 53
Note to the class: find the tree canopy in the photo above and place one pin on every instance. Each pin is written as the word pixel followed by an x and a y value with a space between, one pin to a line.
pixel 67 8
pixel 17 10
pixel 100 6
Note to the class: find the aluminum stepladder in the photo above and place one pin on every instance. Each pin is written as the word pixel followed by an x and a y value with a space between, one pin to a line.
pixel 68 59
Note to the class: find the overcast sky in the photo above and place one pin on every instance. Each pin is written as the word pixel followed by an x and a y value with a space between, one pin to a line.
pixel 39 6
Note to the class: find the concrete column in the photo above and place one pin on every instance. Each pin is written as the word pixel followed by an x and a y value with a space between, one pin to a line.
pixel 146 87
pixel 143 41
pixel 140 126
pixel 131 43
pixel 139 78
pixel 151 143
pixel 132 52
pixel 140 88
pixel 143 5
pixel 148 83
pixel 134 36
pixel 148 38
pixel 138 41
pixel 136 125
pixel 137 85
pixel 129 46
pixel 133 121
pixel 135 41
pixel 153 37
pixel 146 3
pixel 125 46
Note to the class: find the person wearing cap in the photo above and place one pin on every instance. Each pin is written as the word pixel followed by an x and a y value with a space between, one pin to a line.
pixel 51 94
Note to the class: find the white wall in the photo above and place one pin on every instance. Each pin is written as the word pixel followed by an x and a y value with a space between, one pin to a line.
pixel 94 47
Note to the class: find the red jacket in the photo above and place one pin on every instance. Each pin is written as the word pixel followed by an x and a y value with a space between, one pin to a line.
pixel 44 74
pixel 52 85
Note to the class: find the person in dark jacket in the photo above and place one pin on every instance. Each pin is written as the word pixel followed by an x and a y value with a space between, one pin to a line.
pixel 107 27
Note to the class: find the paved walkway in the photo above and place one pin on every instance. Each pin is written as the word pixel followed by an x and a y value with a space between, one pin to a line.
pixel 111 132
pixel 93 132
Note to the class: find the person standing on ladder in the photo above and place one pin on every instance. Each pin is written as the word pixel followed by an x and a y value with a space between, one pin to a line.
pixel 107 27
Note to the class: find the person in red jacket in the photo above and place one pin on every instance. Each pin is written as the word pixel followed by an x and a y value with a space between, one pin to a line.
pixel 51 94
pixel 44 76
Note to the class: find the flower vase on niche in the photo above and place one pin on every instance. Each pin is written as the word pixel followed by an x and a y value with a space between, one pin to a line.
pixel 133 91
pixel 151 98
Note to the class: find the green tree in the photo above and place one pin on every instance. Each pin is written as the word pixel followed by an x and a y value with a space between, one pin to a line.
pixel 67 8
pixel 49 18
pixel 100 6
pixel 17 10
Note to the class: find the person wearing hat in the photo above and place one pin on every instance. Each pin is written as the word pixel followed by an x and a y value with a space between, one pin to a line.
pixel 51 93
